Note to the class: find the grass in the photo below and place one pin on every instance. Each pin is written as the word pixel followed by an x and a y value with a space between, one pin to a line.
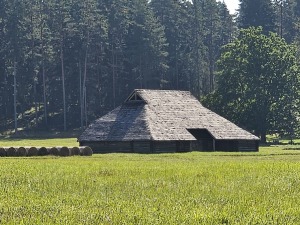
pixel 186 188
pixel 50 142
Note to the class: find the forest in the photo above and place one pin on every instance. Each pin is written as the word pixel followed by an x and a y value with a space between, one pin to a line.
pixel 63 63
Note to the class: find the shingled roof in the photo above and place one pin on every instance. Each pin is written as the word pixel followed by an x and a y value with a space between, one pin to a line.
pixel 161 115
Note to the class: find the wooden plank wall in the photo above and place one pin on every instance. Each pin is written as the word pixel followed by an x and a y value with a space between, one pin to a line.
pixel 248 146
pixel 164 146
pixel 142 146
pixel 183 146
pixel 107 147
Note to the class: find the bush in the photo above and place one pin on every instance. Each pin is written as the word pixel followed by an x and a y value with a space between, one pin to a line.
pixel 2 152
pixel 53 151
pixel 32 151
pixel 21 151
pixel 64 151
pixel 74 151
pixel 42 151
pixel 11 151
pixel 86 151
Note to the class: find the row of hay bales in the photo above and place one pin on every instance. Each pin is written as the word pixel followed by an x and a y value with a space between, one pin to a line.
pixel 43 151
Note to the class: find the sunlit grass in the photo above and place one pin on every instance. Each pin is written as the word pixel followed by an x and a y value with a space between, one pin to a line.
pixel 185 188
pixel 50 142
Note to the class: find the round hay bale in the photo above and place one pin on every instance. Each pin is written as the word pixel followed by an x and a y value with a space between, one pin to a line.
pixel 21 151
pixel 2 152
pixel 74 151
pixel 11 151
pixel 86 151
pixel 64 151
pixel 53 151
pixel 42 151
pixel 32 151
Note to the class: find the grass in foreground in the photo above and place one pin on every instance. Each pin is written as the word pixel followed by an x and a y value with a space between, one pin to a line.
pixel 190 188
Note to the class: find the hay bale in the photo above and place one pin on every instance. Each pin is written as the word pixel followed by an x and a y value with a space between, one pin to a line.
pixel 53 151
pixel 32 151
pixel 64 151
pixel 11 151
pixel 21 151
pixel 86 151
pixel 74 151
pixel 42 151
pixel 2 152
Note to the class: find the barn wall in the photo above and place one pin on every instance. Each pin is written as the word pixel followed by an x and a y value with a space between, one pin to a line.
pixel 227 145
pixel 164 146
pixel 236 145
pixel 142 146
pixel 107 147
pixel 202 145
pixel 183 146
pixel 172 146
pixel 248 146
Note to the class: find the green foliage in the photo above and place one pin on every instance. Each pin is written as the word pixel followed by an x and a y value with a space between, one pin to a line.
pixel 76 59
pixel 255 13
pixel 192 188
pixel 258 83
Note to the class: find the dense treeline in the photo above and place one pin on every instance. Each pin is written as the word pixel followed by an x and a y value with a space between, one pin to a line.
pixel 63 63
pixel 258 73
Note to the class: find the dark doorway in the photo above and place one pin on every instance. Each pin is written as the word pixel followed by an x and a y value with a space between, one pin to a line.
pixel 205 141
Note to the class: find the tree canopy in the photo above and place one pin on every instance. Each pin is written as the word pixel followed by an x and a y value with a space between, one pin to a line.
pixel 258 83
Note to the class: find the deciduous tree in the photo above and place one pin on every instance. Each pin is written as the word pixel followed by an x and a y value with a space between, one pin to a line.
pixel 258 83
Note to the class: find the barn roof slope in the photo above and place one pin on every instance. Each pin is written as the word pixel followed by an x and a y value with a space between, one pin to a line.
pixel 161 115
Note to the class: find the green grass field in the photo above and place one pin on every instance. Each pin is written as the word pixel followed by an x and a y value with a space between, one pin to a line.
pixel 186 188
pixel 50 142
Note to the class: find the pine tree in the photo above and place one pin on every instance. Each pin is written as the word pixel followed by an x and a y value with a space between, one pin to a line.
pixel 255 13
pixel 145 48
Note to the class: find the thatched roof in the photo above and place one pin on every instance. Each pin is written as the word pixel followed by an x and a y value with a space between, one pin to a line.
pixel 161 115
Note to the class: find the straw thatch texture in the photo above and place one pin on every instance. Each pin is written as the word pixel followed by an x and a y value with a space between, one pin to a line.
pixel 161 115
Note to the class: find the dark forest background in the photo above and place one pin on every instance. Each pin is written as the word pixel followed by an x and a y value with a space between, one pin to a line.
pixel 64 63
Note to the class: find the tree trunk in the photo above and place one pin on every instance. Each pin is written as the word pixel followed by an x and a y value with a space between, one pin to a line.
pixel 45 96
pixel 15 96
pixel 35 101
pixel 63 84
pixel 81 97
pixel 114 77
pixel 263 137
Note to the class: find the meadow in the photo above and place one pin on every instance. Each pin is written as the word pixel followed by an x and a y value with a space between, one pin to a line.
pixel 185 188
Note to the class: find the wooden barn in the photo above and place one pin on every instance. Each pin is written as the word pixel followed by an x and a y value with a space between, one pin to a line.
pixel 155 121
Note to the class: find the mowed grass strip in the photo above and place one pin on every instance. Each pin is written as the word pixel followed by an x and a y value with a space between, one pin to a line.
pixel 50 142
pixel 189 188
